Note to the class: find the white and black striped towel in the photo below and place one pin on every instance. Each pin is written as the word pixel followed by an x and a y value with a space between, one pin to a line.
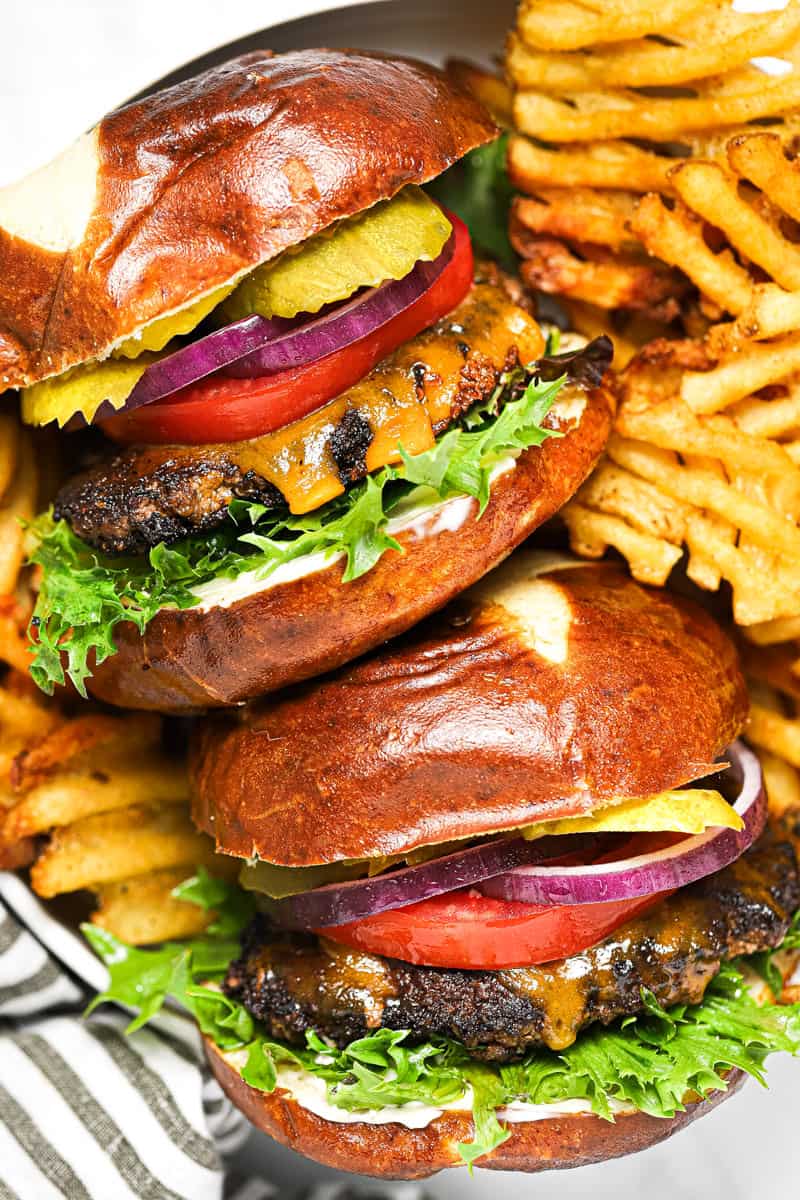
pixel 89 1114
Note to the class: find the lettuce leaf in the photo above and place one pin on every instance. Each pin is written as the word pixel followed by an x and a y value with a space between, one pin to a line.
pixel 479 191
pixel 84 595
pixel 650 1062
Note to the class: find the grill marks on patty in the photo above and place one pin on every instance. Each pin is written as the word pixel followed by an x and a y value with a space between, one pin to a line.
pixel 295 983
pixel 139 498
pixel 146 495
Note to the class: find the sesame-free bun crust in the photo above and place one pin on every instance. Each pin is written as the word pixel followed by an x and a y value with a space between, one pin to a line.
pixel 537 694
pixel 292 631
pixel 394 1152
pixel 183 191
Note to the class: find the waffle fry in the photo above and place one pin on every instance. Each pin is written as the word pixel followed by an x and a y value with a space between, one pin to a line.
pixel 492 90
pixel 143 910
pixel 596 276
pixel 711 40
pixel 723 488
pixel 109 847
pixel 92 801
pixel 773 730
pixel 570 25
pixel 736 97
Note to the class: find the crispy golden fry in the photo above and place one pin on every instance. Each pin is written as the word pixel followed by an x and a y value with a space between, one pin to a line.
pixel 25 717
pixel 714 484
pixel 612 164
pixel 568 25
pixel 744 95
pixel 758 366
pixel 676 235
pixel 712 192
pixel 599 262
pixel 705 490
pixel 18 504
pixel 143 910
pixel 492 90
pixel 581 215
pixel 78 737
pixel 714 39
pixel 13 644
pixel 769 312
pixel 777 734
pixel 91 786
pixel 674 427
pixel 773 675
pixel 769 633
pixel 782 782
pixel 760 158
pixel 651 559
pixel 111 846
pixel 598 277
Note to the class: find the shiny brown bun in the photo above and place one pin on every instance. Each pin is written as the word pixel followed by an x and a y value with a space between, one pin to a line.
pixel 293 631
pixel 177 194
pixel 394 1152
pixel 533 696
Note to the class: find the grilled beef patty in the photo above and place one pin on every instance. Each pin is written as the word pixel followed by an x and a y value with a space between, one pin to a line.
pixel 295 983
pixel 145 495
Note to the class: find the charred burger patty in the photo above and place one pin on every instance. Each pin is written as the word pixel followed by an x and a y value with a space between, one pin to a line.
pixel 295 983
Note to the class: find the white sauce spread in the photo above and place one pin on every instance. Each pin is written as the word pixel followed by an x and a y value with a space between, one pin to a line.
pixel 310 1092
pixel 421 520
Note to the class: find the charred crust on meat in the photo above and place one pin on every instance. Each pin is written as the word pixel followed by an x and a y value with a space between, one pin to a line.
pixel 349 443
pixel 674 951
pixel 476 381
pixel 120 511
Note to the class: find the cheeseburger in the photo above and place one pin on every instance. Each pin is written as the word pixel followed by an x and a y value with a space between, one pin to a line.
pixel 506 886
pixel 315 416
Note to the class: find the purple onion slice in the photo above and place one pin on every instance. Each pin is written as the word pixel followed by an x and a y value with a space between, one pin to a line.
pixel 257 346
pixel 340 903
pixel 664 870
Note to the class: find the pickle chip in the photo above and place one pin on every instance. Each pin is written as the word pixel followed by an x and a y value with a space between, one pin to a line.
pixel 383 243
pixel 83 389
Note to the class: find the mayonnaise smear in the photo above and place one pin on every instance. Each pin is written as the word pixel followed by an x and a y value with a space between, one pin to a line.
pixel 310 1092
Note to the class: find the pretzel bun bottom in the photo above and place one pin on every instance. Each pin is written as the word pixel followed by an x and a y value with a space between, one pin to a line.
pixel 217 657
pixel 393 1151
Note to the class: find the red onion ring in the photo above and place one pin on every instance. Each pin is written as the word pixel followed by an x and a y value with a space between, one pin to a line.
pixel 344 324
pixel 340 903
pixel 256 346
pixel 664 870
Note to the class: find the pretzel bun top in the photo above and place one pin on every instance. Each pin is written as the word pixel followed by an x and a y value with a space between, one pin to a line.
pixel 178 194
pixel 542 692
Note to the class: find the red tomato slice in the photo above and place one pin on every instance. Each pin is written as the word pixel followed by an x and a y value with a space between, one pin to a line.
pixel 474 932
pixel 221 409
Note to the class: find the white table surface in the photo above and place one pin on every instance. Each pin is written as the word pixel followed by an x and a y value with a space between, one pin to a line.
pixel 65 62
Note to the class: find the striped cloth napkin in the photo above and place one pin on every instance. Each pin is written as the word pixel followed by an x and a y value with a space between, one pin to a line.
pixel 90 1114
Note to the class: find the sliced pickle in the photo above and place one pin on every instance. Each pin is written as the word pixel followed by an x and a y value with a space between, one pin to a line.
pixel 279 882
pixel 382 243
pixel 156 335
pixel 83 389
pixel 690 810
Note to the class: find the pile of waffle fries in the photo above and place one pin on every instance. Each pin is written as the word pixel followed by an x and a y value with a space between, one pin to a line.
pixel 655 152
